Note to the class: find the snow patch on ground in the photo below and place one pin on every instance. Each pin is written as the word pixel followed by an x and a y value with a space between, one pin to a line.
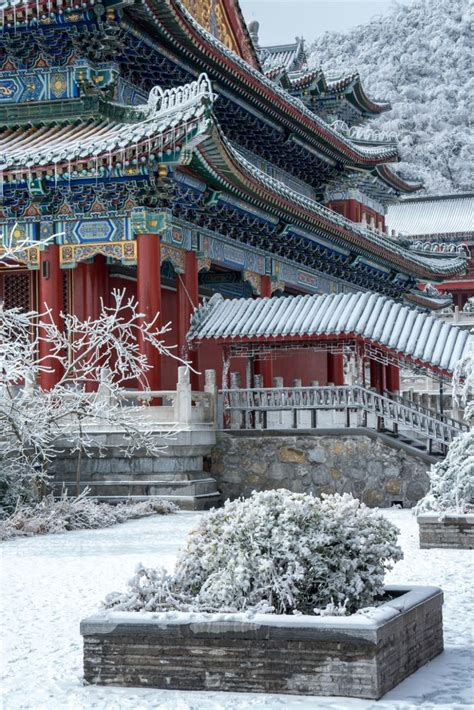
pixel 49 583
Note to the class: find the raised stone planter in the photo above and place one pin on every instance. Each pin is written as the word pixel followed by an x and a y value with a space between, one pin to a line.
pixel 454 531
pixel 360 656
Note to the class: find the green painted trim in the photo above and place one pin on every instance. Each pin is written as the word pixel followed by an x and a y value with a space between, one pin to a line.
pixel 148 222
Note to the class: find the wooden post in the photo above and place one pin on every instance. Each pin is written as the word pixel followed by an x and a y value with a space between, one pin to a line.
pixel 336 369
pixel 264 366
pixel 392 378
pixel 51 298
pixel 149 302
pixel 188 301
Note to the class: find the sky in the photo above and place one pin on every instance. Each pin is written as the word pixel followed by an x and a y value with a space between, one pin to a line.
pixel 283 20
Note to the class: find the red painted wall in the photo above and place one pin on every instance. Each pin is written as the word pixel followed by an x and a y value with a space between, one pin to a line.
pixel 303 364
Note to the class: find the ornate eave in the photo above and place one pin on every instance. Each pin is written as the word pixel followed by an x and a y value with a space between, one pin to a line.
pixel 224 166
pixel 168 22
pixel 178 127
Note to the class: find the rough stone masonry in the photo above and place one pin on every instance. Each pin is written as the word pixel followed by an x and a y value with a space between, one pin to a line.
pixel 376 472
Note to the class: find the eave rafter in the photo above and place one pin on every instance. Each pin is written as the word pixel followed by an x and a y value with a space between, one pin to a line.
pixel 220 163
pixel 179 126
pixel 169 22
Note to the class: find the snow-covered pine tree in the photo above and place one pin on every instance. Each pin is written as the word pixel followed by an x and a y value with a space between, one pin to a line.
pixel 452 480
pixel 419 58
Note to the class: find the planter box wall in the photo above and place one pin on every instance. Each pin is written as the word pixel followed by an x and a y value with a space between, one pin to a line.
pixel 453 531
pixel 357 656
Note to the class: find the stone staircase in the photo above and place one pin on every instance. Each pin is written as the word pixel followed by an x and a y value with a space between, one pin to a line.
pixel 176 475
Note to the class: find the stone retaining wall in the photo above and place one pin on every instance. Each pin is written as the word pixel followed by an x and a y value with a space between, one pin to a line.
pixel 452 531
pixel 370 469
pixel 354 656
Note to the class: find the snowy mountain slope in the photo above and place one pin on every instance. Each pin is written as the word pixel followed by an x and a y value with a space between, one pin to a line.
pixel 419 58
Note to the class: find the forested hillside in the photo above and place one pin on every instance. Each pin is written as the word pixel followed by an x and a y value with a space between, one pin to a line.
pixel 419 58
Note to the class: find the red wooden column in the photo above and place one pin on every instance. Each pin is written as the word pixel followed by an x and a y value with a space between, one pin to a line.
pixel 51 297
pixel 336 368
pixel 352 212
pixel 90 284
pixel 188 301
pixel 79 291
pixel 377 376
pixel 149 301
pixel 392 378
pixel 265 367
pixel 99 287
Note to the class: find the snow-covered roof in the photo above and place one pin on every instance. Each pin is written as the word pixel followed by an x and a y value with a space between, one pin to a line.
pixel 446 214
pixel 290 56
pixel 370 316
pixel 166 113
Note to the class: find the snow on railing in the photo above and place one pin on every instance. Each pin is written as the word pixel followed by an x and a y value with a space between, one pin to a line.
pixel 364 133
pixel 245 402
pixel 181 406
pixel 440 247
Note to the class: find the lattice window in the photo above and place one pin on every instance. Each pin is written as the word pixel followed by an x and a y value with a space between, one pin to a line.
pixel 16 290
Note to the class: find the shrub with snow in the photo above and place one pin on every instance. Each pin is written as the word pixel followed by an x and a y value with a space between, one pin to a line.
pixel 51 515
pixel 277 552
pixel 452 480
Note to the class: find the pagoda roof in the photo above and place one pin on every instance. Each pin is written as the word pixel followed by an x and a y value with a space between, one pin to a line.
pixel 290 56
pixel 288 64
pixel 172 24
pixel 183 119
pixel 442 215
pixel 416 336
pixel 219 161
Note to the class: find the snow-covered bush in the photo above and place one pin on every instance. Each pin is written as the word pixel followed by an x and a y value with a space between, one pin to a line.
pixel 51 515
pixel 276 551
pixel 452 480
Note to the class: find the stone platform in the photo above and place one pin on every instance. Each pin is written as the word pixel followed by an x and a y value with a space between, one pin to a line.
pixel 451 531
pixel 176 475
pixel 373 466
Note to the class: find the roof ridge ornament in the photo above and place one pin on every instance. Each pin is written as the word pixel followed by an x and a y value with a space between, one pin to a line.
pixel 160 101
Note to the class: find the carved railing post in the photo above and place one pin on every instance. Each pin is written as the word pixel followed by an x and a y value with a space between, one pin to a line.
pixel 183 401
pixel 210 386
pixel 237 415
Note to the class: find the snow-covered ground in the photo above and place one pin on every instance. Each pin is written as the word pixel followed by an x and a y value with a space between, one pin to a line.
pixel 49 583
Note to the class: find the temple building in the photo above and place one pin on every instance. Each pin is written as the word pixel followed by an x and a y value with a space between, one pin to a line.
pixel 439 225
pixel 155 147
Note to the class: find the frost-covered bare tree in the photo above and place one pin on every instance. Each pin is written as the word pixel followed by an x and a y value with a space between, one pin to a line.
pixel 95 360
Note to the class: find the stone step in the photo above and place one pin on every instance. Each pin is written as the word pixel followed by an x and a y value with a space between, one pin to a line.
pixel 198 502
pixel 197 487
pixel 119 476
pixel 66 467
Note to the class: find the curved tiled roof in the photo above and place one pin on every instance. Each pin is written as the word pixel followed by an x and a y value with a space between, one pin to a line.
pixel 290 56
pixel 169 20
pixel 445 214
pixel 224 163
pixel 378 319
